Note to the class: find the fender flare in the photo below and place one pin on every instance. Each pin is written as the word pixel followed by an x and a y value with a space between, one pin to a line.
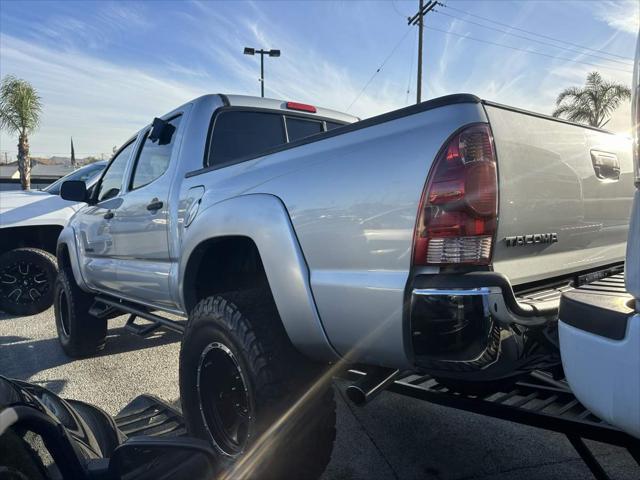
pixel 264 219
pixel 67 238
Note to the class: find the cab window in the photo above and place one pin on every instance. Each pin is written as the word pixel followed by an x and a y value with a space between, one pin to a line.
pixel 111 182
pixel 238 134
pixel 154 156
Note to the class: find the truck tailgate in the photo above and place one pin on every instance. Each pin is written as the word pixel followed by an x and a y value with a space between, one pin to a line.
pixel 565 194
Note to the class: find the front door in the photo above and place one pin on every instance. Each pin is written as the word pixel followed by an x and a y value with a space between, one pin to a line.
pixel 93 225
pixel 140 225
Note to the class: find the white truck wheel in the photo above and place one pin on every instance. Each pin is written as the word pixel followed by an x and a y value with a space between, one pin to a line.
pixel 27 276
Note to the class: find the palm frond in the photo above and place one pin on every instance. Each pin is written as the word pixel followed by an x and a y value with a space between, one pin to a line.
pixel 593 103
pixel 20 106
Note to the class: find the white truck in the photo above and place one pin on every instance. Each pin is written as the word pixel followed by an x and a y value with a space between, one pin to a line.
pixel 600 323
pixel 30 222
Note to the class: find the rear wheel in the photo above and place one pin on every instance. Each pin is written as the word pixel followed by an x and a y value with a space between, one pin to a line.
pixel 80 333
pixel 240 384
pixel 27 276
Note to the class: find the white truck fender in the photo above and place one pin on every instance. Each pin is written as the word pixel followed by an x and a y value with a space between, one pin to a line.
pixel 264 219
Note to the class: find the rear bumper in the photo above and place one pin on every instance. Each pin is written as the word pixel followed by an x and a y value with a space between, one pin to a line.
pixel 600 346
pixel 603 373
pixel 459 322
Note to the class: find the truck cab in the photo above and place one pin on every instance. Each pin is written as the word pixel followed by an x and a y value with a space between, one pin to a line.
pixel 129 237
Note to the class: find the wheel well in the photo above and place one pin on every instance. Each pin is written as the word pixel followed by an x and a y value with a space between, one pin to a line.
pixel 219 265
pixel 37 236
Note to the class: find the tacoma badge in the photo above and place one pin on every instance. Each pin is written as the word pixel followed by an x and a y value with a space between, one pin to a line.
pixel 531 239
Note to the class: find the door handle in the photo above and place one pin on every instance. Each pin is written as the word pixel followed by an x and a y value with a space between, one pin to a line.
pixel 606 165
pixel 109 215
pixel 154 205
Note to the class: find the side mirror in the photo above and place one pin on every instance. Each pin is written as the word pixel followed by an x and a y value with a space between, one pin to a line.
pixel 151 458
pixel 161 131
pixel 74 190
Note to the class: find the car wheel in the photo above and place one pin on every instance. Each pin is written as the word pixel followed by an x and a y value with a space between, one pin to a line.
pixel 80 333
pixel 27 276
pixel 265 408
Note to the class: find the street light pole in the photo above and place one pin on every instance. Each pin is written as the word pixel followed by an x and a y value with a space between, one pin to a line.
pixel 262 53
pixel 262 74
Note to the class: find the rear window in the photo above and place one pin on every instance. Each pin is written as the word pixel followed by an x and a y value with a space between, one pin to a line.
pixel 241 134
pixel 298 128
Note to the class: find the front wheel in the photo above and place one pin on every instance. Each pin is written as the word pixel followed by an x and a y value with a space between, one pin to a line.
pixel 27 276
pixel 267 410
pixel 80 333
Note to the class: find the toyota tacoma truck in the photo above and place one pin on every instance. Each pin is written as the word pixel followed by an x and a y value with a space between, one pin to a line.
pixel 30 223
pixel 436 238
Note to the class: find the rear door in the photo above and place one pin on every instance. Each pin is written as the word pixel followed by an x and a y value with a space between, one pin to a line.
pixel 565 194
pixel 140 224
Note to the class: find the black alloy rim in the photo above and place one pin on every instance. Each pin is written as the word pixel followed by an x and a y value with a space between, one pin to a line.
pixel 224 400
pixel 23 283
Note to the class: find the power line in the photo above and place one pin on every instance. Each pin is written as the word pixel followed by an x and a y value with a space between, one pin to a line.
pixel 527 51
pixel 536 41
pixel 378 69
pixel 393 4
pixel 537 34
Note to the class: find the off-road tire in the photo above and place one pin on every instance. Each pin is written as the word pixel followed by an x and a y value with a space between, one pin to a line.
pixel 40 270
pixel 80 333
pixel 277 375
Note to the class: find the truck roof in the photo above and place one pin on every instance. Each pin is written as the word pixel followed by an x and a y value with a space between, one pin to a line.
pixel 275 104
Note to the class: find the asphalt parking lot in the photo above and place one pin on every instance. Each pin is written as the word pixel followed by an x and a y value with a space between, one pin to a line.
pixel 393 437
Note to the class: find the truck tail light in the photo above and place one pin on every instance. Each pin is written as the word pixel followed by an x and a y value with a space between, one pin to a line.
pixel 458 212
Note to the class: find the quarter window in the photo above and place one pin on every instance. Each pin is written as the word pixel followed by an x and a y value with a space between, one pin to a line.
pixel 111 181
pixel 154 157
pixel 240 134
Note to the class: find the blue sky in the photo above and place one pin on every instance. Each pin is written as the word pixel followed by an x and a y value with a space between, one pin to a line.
pixel 105 69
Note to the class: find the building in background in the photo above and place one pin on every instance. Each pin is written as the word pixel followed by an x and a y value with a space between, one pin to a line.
pixel 41 175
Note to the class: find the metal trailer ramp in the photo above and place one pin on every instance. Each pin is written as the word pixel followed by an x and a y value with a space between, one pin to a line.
pixel 538 401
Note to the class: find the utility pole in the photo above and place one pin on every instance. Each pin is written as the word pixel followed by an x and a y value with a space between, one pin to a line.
pixel 262 53
pixel 418 19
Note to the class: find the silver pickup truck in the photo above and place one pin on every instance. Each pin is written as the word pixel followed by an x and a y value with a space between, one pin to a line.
pixel 435 238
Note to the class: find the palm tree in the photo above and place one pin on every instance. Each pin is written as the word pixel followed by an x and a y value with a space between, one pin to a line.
pixel 20 109
pixel 593 103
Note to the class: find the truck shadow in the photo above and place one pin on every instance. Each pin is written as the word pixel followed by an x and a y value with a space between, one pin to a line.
pixel 22 357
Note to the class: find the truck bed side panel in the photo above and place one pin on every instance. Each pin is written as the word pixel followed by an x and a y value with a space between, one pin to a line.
pixel 353 201
pixel 548 185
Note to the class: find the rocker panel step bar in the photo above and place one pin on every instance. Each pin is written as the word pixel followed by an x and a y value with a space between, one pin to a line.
pixel 138 311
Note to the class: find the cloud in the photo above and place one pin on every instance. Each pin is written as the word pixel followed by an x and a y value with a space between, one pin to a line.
pixel 623 16
pixel 100 103
pixel 302 73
